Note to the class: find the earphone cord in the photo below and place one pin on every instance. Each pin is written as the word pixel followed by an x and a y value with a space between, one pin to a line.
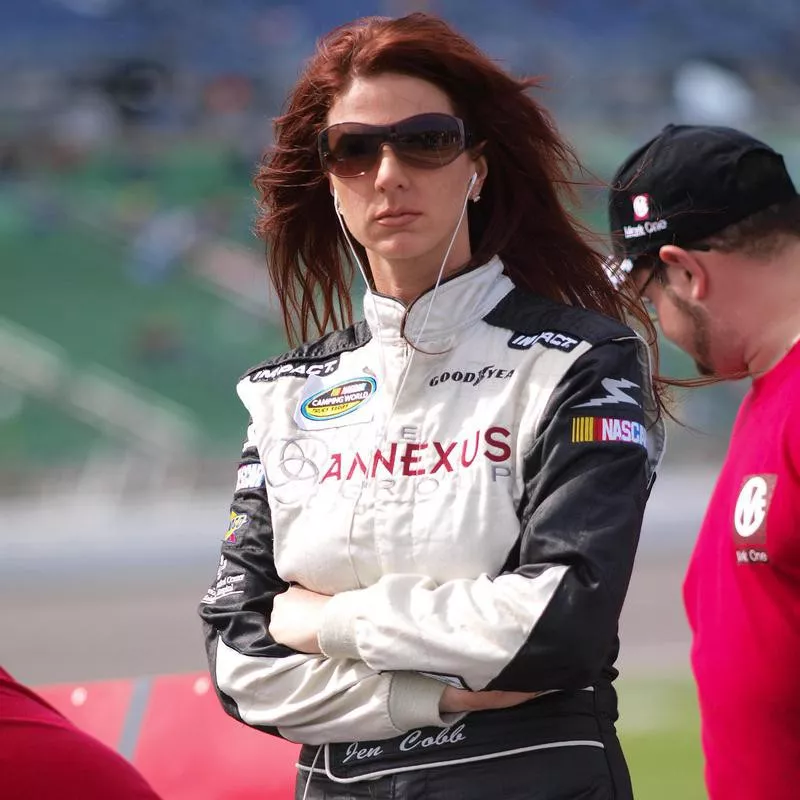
pixel 383 432
pixel 311 771
pixel 440 274
pixel 435 290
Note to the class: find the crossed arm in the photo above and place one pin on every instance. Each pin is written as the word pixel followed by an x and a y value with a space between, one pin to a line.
pixel 297 618
pixel 322 669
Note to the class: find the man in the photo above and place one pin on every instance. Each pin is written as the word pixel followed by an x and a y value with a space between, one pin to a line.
pixel 44 756
pixel 706 222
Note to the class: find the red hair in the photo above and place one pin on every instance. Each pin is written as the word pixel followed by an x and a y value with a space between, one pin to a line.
pixel 521 216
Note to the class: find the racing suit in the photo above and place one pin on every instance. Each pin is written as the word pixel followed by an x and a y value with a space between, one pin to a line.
pixel 472 504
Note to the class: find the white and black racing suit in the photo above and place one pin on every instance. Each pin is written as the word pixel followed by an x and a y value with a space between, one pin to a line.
pixel 473 504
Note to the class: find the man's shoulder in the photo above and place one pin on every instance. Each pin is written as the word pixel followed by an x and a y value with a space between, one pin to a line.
pixel 319 357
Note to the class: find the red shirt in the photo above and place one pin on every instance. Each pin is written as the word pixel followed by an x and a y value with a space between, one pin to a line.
pixel 44 756
pixel 742 595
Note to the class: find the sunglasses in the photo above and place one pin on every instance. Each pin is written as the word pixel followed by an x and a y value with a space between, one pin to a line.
pixel 427 141
pixel 651 273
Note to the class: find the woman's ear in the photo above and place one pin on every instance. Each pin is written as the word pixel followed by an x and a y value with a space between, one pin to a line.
pixel 481 170
pixel 686 276
pixel 337 203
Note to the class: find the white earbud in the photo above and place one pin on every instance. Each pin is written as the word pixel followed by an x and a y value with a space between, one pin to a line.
pixel 472 181
pixel 337 203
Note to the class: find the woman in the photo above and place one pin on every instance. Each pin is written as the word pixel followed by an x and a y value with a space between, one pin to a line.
pixel 437 508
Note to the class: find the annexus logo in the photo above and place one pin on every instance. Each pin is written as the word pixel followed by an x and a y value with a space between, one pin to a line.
pixel 420 458
pixel 296 467
pixel 750 518
pixel 553 339
pixel 608 429
pixel 339 400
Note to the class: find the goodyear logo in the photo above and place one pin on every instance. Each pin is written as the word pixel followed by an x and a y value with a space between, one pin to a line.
pixel 339 400
pixel 608 429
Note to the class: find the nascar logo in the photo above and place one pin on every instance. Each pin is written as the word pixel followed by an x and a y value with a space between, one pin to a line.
pixel 608 429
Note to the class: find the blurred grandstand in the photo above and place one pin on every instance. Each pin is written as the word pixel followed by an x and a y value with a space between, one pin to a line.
pixel 133 294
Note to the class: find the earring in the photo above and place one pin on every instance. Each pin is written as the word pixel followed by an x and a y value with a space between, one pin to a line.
pixel 476 198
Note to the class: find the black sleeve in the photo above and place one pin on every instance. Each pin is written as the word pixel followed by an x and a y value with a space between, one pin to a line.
pixel 587 480
pixel 238 604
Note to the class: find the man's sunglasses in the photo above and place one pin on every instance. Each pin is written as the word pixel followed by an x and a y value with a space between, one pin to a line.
pixel 427 141
pixel 644 276
pixel 650 267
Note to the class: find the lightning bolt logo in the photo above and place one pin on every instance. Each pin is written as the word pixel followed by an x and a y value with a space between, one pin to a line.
pixel 614 387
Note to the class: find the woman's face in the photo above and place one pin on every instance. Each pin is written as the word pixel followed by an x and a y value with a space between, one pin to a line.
pixel 403 215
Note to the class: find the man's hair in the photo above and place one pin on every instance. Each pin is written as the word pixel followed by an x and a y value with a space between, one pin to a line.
pixel 761 235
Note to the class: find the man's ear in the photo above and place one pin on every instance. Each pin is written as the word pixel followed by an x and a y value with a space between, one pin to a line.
pixel 687 277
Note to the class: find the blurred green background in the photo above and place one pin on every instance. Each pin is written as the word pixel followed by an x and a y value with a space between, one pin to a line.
pixel 129 135
pixel 659 730
pixel 133 294
pixel 152 273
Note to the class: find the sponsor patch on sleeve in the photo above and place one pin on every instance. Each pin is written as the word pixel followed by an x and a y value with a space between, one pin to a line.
pixel 555 340
pixel 235 522
pixel 250 439
pixel 250 476
pixel 608 429
pixel 295 369
pixel 224 585
pixel 328 404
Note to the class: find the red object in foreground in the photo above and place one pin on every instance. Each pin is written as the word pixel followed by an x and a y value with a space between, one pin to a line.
pixel 175 732
pixel 98 708
pixel 43 755
pixel 190 749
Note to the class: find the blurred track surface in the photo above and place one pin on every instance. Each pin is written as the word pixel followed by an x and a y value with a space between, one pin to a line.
pixel 91 590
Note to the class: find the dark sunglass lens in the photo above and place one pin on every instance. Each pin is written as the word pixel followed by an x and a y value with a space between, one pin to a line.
pixel 427 141
pixel 430 140
pixel 352 153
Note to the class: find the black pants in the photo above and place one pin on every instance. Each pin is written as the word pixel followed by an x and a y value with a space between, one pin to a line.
pixel 561 773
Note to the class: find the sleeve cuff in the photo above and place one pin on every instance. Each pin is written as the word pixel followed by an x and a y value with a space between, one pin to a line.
pixel 337 635
pixel 414 702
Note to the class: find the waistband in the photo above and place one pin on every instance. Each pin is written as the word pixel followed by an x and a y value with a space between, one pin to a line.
pixel 560 719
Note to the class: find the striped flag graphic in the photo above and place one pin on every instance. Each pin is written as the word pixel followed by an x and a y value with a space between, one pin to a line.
pixel 586 429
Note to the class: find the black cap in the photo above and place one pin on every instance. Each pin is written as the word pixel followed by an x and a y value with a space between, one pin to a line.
pixel 690 182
